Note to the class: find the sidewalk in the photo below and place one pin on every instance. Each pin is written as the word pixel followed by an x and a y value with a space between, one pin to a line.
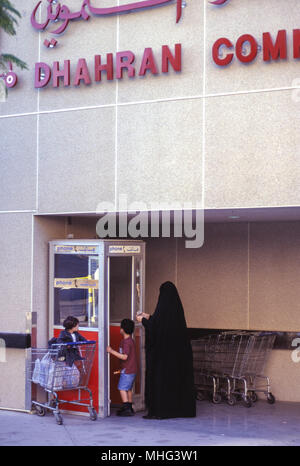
pixel 263 424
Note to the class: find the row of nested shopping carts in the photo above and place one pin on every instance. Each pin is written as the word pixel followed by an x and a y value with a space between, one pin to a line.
pixel 230 366
pixel 63 367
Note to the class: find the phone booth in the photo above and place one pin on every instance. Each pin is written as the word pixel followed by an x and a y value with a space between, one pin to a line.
pixel 100 282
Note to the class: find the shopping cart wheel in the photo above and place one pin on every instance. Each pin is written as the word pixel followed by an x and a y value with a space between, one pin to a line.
pixel 231 400
pixel 271 398
pixel 247 401
pixel 253 397
pixel 216 399
pixel 58 418
pixel 40 410
pixel 93 414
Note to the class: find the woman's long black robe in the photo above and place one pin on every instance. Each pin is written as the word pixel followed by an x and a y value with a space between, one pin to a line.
pixel 169 390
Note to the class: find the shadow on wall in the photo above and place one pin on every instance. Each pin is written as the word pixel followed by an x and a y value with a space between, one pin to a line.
pixel 2 350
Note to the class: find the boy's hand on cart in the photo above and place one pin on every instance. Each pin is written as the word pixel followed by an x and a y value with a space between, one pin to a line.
pixel 108 349
pixel 117 372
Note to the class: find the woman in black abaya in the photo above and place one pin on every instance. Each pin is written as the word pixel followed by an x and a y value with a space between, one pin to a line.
pixel 169 390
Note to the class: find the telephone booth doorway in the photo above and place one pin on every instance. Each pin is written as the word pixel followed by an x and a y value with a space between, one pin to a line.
pixel 100 282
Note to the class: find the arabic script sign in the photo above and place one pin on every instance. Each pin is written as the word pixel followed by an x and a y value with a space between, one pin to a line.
pixel 62 12
pixel 219 2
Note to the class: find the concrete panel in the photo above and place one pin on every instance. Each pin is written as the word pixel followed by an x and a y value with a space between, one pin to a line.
pixel 77 165
pixel 274 273
pixel 213 280
pixel 156 27
pixel 248 162
pixel 15 271
pixel 237 18
pixel 45 230
pixel 161 161
pixel 18 163
pixel 13 374
pixel 82 39
pixel 25 46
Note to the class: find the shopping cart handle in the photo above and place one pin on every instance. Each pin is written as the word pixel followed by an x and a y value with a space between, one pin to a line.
pixel 76 343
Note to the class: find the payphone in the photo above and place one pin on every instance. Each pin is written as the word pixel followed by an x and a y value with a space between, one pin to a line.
pixel 100 282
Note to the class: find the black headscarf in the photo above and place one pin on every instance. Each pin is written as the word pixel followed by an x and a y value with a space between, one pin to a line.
pixel 169 372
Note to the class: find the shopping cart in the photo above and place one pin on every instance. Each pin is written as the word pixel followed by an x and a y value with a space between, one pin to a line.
pixel 248 375
pixel 63 367
pixel 206 363
pixel 237 350
pixel 231 365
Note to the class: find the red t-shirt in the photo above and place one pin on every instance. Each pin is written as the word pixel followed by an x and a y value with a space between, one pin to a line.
pixel 127 346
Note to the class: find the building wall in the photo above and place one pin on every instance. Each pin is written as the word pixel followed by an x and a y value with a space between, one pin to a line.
pixel 222 138
pixel 15 301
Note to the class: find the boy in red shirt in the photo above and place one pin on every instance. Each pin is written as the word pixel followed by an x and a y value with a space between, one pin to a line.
pixel 127 355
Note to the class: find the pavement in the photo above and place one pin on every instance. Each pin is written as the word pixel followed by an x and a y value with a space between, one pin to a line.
pixel 216 425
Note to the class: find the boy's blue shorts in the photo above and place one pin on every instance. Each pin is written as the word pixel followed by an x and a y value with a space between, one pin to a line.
pixel 126 381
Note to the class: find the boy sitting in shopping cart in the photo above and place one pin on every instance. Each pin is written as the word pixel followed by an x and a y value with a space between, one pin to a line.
pixel 70 335
pixel 127 355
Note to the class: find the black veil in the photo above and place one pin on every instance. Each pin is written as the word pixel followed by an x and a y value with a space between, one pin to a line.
pixel 169 360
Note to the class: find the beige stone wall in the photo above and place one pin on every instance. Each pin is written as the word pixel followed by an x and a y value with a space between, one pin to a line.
pixel 226 138
pixel 13 379
pixel 244 276
pixel 15 302
pixel 24 288
pixel 284 375
pixel 15 270
pixel 252 147
pixel 25 45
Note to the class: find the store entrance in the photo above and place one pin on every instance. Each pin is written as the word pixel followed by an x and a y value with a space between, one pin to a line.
pixel 100 282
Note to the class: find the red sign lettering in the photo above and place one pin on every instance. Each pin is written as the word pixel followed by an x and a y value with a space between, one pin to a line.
pixel 272 50
pixel 277 50
pixel 216 52
pixel 124 61
pixel 239 48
